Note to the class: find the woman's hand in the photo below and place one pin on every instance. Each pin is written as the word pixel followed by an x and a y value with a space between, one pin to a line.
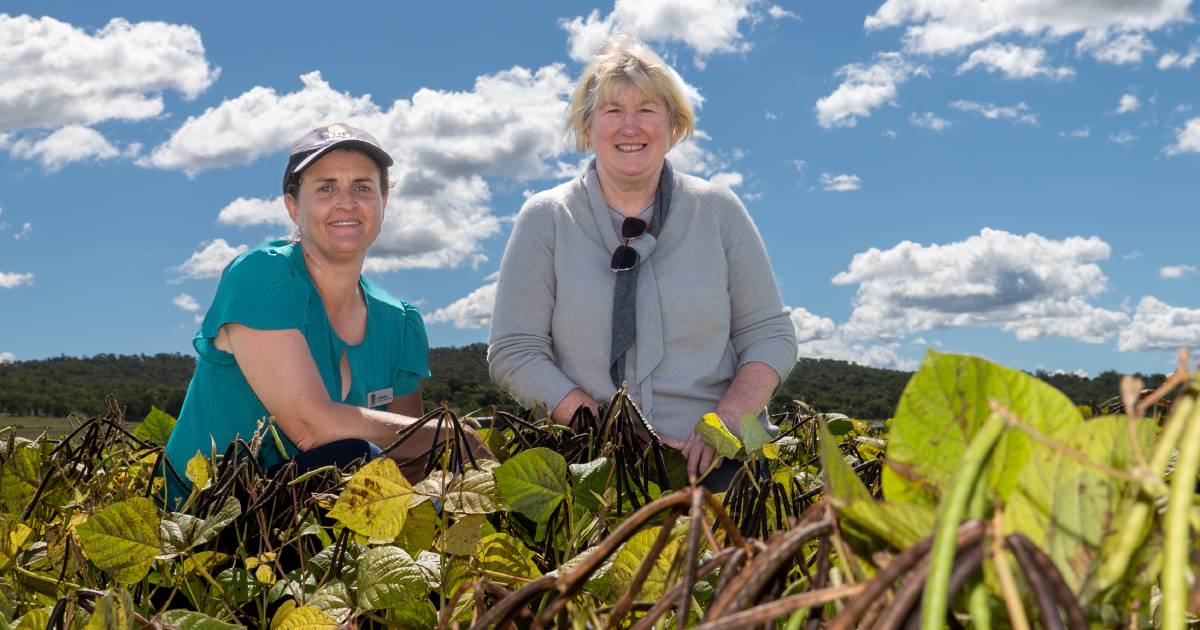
pixel 701 458
pixel 564 411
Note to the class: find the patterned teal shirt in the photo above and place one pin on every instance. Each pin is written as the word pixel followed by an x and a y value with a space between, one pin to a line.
pixel 268 288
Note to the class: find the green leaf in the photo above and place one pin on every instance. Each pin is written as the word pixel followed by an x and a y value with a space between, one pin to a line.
pixel 588 482
pixel 333 598
pixel 507 560
pixel 375 501
pixel 838 424
pixel 942 408
pixel 533 482
pixel 1070 509
pixel 842 485
pixel 413 615
pixel 12 536
pixel 180 531
pixel 717 435
pixel 239 585
pixel 388 577
pixel 114 611
pixel 420 528
pixel 463 537
pixel 473 492
pixel 900 525
pixel 633 553
pixel 36 619
pixel 8 599
pixel 754 436
pixel 199 471
pixel 191 620
pixel 156 428
pixel 430 564
pixel 20 476
pixel 289 617
pixel 122 540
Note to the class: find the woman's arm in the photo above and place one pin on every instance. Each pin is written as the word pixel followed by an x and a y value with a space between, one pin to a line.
pixel 279 368
pixel 520 351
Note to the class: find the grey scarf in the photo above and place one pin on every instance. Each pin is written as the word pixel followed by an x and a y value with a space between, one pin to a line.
pixel 624 312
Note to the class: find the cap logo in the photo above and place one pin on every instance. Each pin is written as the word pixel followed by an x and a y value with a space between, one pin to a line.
pixel 337 131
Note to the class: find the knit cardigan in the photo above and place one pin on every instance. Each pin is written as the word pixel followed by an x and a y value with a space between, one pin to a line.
pixel 707 303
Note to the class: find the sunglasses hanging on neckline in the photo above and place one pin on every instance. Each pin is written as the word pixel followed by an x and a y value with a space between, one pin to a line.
pixel 625 257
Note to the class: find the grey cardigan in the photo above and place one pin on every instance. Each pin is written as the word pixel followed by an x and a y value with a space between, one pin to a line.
pixel 707 303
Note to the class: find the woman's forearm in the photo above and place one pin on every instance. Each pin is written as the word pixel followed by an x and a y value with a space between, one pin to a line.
pixel 749 392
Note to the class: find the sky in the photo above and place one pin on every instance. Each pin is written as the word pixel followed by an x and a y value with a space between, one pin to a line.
pixel 1017 180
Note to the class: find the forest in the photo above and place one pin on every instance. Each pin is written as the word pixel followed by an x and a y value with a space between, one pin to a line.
pixel 61 385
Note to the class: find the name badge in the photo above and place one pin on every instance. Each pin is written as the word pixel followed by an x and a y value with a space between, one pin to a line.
pixel 379 397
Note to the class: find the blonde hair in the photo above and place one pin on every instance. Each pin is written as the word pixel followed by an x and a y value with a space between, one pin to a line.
pixel 624 62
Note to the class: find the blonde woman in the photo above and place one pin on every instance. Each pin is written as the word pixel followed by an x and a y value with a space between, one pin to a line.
pixel 635 273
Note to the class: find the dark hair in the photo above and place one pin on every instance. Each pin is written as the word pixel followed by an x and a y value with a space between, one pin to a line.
pixel 293 186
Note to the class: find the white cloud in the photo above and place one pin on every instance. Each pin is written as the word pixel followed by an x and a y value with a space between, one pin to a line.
pixel 1174 60
pixel 799 164
pixel 706 26
pixel 865 88
pixel 947 26
pixel 777 12
pixel 245 211
pixel 12 280
pixel 1133 255
pixel 1018 113
pixel 770 115
pixel 72 143
pixel 7 357
pixel 1082 132
pixel 472 311
pixel 210 260
pixel 1129 103
pixel 186 303
pixel 1115 48
pixel 1080 372
pixel 1187 139
pixel 810 327
pixel 1015 62
pixel 1173 272
pixel 928 120
pixel 727 179
pixel 1160 326
pixel 57 74
pixel 1122 137
pixel 839 183
pixel 25 233
pixel 889 134
pixel 1028 285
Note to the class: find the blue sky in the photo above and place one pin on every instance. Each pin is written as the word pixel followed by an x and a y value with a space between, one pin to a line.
pixel 1020 183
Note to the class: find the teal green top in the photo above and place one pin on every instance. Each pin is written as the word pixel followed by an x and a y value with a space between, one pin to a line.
pixel 268 288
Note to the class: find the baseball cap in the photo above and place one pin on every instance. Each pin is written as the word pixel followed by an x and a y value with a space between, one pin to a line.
pixel 312 145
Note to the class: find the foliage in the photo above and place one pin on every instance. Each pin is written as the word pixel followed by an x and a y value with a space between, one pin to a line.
pixel 981 470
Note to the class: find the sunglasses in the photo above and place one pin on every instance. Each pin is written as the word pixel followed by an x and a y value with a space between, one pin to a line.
pixel 625 257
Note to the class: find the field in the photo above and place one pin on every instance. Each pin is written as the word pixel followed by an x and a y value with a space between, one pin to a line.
pixel 987 500
pixel 33 426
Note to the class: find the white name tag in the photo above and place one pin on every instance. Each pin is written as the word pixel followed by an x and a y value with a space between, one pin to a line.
pixel 379 397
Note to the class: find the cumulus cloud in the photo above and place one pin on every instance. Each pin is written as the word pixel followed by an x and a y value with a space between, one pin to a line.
pixel 1179 61
pixel 780 13
pixel 839 183
pixel 1157 325
pixel 9 280
pixel 1028 285
pixel 706 26
pixel 864 88
pixel 25 232
pixel 928 120
pixel 7 357
pixel 1014 62
pixel 1128 104
pixel 1018 113
pixel 209 261
pixel 472 311
pixel 819 338
pixel 1174 272
pixel 810 327
pixel 941 26
pixel 73 143
pixel 1187 139
pixel 186 303
pixel 731 179
pixel 245 211
pixel 1082 132
pixel 1115 48
pixel 58 74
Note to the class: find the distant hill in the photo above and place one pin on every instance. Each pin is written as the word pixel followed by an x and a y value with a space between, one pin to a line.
pixel 58 386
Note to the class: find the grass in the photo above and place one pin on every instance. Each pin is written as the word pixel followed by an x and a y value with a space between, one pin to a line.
pixel 33 426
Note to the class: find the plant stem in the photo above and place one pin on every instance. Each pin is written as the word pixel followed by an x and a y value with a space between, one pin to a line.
pixel 1175 530
pixel 954 504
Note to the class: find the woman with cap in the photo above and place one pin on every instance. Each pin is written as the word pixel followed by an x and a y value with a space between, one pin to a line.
pixel 295 332
pixel 636 274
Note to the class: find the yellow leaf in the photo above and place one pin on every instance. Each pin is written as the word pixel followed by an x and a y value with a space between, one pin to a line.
pixel 264 574
pixel 199 471
pixel 375 502
pixel 122 539
pixel 289 617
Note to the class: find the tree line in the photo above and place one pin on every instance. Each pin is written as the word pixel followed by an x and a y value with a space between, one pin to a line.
pixel 62 385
